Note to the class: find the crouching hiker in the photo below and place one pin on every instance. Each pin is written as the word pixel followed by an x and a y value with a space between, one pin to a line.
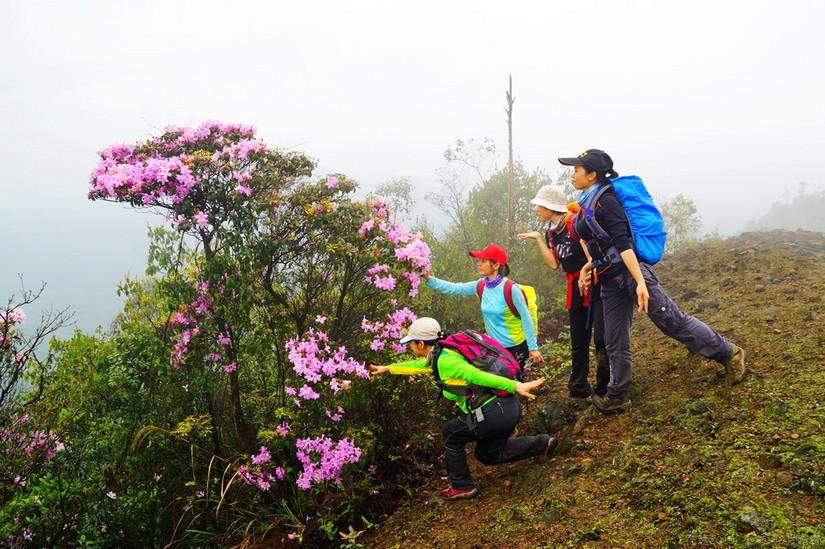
pixel 559 248
pixel 478 374
pixel 623 253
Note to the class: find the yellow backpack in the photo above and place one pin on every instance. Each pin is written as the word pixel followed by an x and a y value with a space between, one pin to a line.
pixel 529 296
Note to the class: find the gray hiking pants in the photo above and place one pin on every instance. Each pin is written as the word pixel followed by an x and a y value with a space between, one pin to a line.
pixel 619 300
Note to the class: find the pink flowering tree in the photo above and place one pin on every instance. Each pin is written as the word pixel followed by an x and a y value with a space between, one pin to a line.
pixel 19 348
pixel 279 287
pixel 24 445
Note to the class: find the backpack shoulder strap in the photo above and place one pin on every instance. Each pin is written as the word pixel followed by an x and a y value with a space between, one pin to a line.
pixel 480 288
pixel 551 242
pixel 595 198
pixel 508 297
pixel 436 352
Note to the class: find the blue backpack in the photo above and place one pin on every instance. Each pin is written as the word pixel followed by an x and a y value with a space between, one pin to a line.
pixel 647 226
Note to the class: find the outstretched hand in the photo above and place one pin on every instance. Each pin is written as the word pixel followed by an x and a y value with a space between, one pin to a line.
pixel 378 370
pixel 524 388
pixel 529 234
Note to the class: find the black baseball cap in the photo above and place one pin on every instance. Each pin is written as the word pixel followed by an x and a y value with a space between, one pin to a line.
pixel 593 160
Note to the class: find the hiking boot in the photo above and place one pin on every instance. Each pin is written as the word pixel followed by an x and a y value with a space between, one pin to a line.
pixel 610 405
pixel 547 449
pixel 578 396
pixel 450 493
pixel 735 365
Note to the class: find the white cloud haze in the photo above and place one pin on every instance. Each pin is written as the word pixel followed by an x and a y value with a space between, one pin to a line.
pixel 719 101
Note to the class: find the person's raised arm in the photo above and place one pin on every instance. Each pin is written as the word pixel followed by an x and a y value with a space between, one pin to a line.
pixel 408 367
pixel 544 249
pixel 452 288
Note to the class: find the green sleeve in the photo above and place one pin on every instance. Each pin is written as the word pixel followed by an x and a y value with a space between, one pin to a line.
pixel 410 367
pixel 454 369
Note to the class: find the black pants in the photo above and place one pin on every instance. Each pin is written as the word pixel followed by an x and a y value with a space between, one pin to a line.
pixel 492 436
pixel 580 332
pixel 520 353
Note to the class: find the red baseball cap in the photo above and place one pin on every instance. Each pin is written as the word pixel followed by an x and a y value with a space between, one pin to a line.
pixel 491 252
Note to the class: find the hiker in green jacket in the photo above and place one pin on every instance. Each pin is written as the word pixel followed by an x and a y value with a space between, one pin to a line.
pixel 489 425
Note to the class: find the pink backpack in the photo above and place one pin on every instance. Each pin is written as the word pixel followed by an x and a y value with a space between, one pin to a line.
pixel 483 352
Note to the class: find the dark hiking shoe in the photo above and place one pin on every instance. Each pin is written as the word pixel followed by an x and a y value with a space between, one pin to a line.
pixel 450 493
pixel 735 365
pixel 578 396
pixel 549 445
pixel 610 405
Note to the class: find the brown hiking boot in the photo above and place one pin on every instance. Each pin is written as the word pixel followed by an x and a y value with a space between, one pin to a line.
pixel 735 365
pixel 610 405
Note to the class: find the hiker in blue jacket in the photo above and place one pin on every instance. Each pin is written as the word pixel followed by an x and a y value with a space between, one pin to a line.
pixel 559 249
pixel 627 283
pixel 516 333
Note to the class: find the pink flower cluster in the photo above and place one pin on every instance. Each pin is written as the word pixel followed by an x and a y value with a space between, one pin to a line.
pixel 320 364
pixel 257 474
pixel 8 319
pixel 146 179
pixel 324 459
pixel 189 320
pixel 14 315
pixel 410 250
pixel 390 331
pixel 374 277
pixel 166 169
pixel 33 443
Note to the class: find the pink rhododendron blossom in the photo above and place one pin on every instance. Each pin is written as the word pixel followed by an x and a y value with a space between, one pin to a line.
pixel 283 429
pixel 201 220
pixel 14 315
pixel 335 416
pixel 224 340
pixel 388 332
pixel 332 182
pixel 244 190
pixel 323 459
pixel 231 367
pixel 307 393
pixel 111 495
pixel 261 457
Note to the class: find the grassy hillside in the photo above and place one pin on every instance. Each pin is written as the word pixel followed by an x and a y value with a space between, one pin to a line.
pixel 694 463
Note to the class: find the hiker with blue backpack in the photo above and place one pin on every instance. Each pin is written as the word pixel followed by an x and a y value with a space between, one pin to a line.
pixel 560 249
pixel 508 316
pixel 475 372
pixel 625 235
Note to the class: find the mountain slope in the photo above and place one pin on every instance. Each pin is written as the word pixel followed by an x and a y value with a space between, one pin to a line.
pixel 694 463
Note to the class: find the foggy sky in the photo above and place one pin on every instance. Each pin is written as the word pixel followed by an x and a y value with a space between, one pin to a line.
pixel 719 101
